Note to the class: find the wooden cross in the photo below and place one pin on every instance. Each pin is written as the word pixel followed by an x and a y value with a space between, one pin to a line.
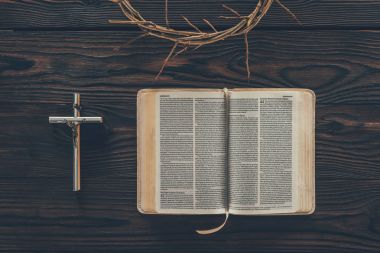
pixel 74 123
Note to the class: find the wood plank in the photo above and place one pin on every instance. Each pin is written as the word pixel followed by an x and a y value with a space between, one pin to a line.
pixel 347 138
pixel 90 14
pixel 340 66
pixel 40 70
pixel 38 211
pixel 41 215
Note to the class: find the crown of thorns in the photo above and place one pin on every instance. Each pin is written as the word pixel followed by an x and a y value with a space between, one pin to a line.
pixel 197 38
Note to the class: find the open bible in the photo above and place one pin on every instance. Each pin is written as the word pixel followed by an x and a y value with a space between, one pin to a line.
pixel 211 151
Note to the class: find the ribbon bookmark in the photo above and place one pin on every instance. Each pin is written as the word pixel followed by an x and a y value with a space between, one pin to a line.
pixel 214 230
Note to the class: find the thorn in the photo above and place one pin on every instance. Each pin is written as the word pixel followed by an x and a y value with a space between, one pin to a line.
pixel 166 61
pixel 130 42
pixel 180 52
pixel 166 13
pixel 289 12
pixel 191 24
pixel 212 27
pixel 231 10
pixel 247 55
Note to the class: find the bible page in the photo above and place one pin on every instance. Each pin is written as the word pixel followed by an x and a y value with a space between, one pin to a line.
pixel 262 161
pixel 191 152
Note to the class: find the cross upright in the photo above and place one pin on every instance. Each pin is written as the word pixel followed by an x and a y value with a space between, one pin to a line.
pixel 74 123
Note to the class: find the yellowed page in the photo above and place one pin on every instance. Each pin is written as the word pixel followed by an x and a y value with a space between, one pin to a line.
pixel 191 152
pixel 148 151
pixel 188 163
pixel 264 165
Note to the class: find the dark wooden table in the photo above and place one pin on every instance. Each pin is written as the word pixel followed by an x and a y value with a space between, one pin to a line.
pixel 49 49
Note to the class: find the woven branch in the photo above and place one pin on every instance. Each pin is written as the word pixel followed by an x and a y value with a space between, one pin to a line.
pixel 198 38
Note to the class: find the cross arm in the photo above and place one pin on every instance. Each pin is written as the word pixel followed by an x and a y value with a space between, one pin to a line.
pixel 68 120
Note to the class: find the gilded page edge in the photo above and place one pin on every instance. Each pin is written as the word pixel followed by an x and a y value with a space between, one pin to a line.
pixel 146 155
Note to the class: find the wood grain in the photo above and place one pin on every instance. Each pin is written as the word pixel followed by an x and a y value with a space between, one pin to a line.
pixel 348 139
pixel 342 67
pixel 38 211
pixel 40 68
pixel 104 218
pixel 19 14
